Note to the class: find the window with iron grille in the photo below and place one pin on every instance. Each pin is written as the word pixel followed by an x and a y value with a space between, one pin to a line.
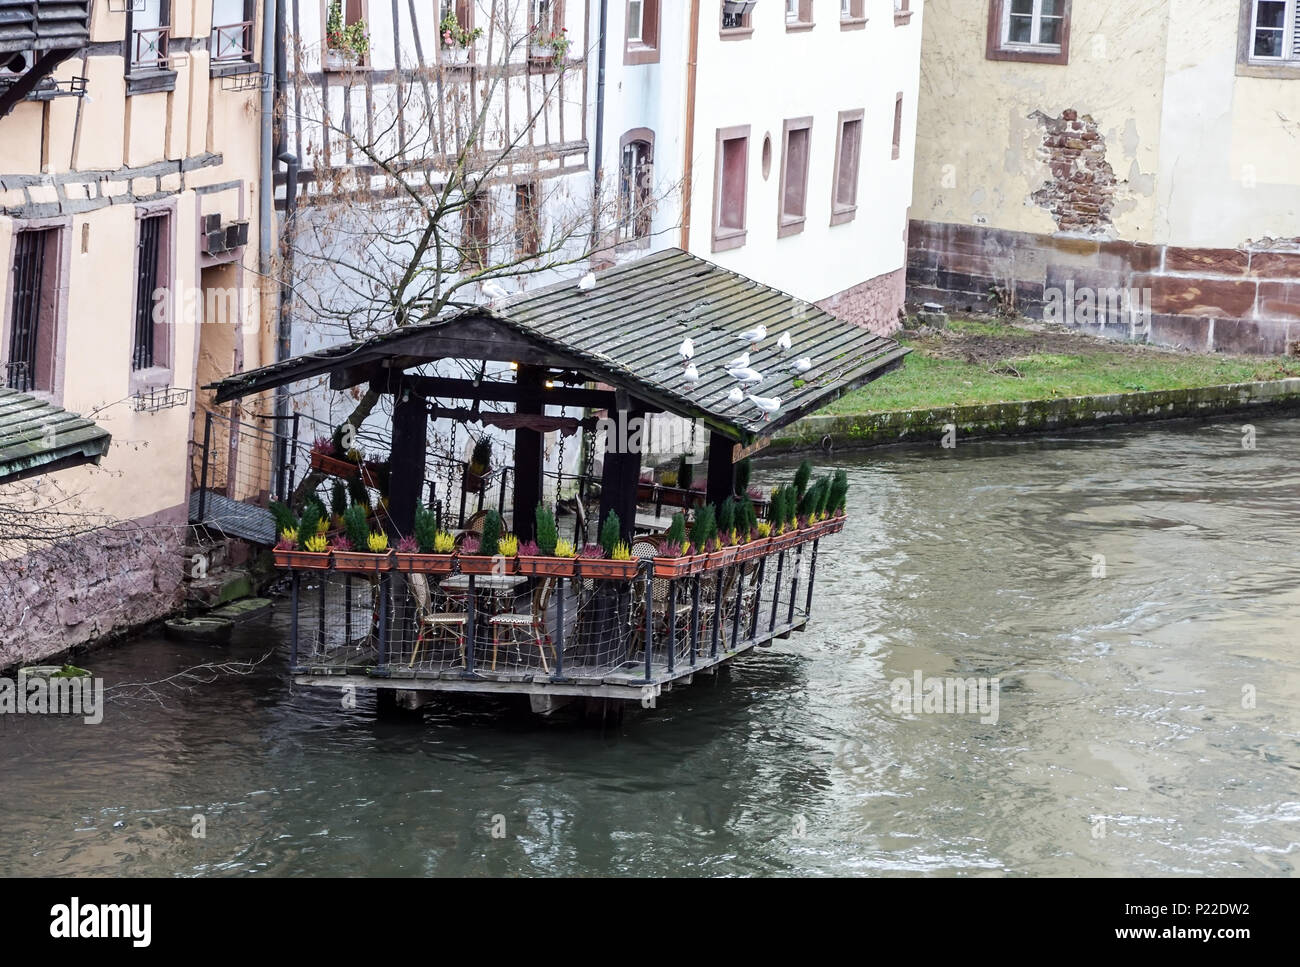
pixel 147 348
pixel 527 230
pixel 635 178
pixel 30 365
pixel 148 30
pixel 232 31
pixel 476 220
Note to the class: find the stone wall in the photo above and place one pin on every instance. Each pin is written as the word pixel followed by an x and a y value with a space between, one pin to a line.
pixel 1242 300
pixel 874 304
pixel 94 586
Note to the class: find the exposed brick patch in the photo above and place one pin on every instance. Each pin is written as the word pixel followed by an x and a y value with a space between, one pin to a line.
pixel 873 305
pixel 1081 194
pixel 94 586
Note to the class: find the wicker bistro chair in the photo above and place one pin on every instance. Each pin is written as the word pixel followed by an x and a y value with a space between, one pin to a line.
pixel 529 627
pixel 435 625
pixel 644 548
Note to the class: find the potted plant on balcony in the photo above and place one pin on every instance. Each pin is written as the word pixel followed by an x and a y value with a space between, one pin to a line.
pixel 549 45
pixel 836 499
pixel 611 559
pixel 542 558
pixel 369 551
pixel 428 551
pixel 328 458
pixel 456 40
pixel 486 557
pixel 480 462
pixel 672 560
pixel 346 45
pixel 703 533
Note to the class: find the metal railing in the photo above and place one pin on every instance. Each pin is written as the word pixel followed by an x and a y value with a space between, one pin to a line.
pixel 232 43
pixel 149 47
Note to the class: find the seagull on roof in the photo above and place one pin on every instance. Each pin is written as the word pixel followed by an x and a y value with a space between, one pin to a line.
pixel 691 375
pixel 687 349
pixel 755 335
pixel 740 362
pixel 744 375
pixel 801 365
pixel 769 405
pixel 494 291
pixel 737 395
pixel 587 282
pixel 784 342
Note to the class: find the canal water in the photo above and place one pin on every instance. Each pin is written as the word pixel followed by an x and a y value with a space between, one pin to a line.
pixel 1135 593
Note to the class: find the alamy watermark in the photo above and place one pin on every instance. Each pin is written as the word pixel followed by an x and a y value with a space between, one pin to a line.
pixel 210 306
pixel 53 695
pixel 946 696
pixel 639 434
pixel 1084 306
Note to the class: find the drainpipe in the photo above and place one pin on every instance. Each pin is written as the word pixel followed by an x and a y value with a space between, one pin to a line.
pixel 283 340
pixel 688 160
pixel 597 166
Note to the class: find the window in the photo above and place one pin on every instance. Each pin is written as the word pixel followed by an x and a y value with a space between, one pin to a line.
pixel 1274 32
pixel 476 218
pixel 527 227
pixel 635 185
pixel 898 126
pixel 730 176
pixel 794 176
pixel 902 12
pixel 642 32
pixel 347 34
pixel 852 13
pixel 152 291
pixel 232 32
pixel 33 318
pixel 148 25
pixel 848 155
pixel 736 18
pixel 798 14
pixel 1036 31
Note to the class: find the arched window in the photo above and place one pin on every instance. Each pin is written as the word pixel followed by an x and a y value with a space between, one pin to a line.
pixel 636 185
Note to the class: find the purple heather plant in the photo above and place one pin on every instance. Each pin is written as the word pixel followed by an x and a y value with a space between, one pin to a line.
pixel 529 549
pixel 592 551
pixel 286 545
pixel 469 546
pixel 670 549
pixel 340 543
pixel 408 545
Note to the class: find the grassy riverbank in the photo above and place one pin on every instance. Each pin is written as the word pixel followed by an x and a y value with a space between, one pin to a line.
pixel 988 361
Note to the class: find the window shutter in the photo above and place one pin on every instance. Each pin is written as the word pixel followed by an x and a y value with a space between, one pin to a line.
pixel 1295 30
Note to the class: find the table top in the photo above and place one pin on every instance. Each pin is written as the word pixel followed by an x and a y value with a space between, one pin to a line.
pixel 649 522
pixel 486 582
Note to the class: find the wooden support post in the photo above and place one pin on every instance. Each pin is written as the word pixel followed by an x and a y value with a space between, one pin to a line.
pixel 621 473
pixel 406 467
pixel 528 454
pixel 722 472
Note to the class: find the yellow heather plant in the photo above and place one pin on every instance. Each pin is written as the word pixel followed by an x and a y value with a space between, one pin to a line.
pixel 508 545
pixel 443 543
pixel 764 529
pixel 289 534
pixel 565 548
pixel 621 552
pixel 323 525
pixel 378 543
pixel 317 544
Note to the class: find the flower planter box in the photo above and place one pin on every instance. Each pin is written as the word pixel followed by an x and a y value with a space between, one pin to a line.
pixel 607 570
pixel 783 542
pixel 302 560
pixel 542 566
pixel 723 557
pixel 755 549
pixel 835 525
pixel 423 563
pixel 363 562
pixel 339 60
pixel 334 466
pixel 455 55
pixel 487 564
pixel 699 562
pixel 673 567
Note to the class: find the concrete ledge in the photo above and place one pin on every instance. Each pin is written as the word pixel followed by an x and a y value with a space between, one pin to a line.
pixel 1034 416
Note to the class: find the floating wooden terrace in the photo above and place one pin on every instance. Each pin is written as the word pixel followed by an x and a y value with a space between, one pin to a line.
pixel 361 621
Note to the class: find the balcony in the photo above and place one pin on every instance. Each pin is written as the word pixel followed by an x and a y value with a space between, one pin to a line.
pixel 34 39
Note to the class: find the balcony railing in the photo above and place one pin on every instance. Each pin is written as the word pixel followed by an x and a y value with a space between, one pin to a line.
pixel 149 47
pixel 232 43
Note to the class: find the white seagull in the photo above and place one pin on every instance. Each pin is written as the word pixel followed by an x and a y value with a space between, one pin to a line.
pixel 493 290
pixel 744 375
pixel 801 365
pixel 769 405
pixel 688 348
pixel 740 362
pixel 737 395
pixel 784 342
pixel 755 335
pixel 691 375
pixel 587 282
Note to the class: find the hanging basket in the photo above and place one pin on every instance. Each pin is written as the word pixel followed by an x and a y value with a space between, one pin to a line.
pixel 334 466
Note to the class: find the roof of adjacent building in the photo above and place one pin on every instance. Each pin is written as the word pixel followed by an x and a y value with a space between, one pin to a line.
pixel 37 437
pixel 626 332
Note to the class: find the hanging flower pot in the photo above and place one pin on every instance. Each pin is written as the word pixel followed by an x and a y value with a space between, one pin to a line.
pixel 455 55
pixel 334 466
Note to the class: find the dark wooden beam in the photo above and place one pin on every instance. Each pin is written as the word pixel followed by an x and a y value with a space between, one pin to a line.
pixel 528 452
pixel 43 67
pixel 496 391
pixel 722 472
pixel 406 467
pixel 618 485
